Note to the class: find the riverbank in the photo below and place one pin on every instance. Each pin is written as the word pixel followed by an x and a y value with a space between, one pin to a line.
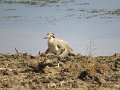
pixel 45 72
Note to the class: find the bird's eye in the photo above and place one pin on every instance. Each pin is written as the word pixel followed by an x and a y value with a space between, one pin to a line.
pixel 53 33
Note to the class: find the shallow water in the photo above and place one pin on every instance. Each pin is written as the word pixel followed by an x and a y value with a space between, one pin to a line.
pixel 83 23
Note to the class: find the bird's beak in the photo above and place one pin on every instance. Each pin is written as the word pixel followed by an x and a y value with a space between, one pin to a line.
pixel 45 37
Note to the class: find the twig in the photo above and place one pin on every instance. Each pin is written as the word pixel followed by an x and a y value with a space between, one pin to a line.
pixel 23 62
pixel 17 52
pixel 7 69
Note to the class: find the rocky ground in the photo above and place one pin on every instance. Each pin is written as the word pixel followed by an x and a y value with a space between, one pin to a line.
pixel 46 72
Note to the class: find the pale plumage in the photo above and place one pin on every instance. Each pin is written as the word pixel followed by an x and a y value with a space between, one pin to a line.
pixel 57 46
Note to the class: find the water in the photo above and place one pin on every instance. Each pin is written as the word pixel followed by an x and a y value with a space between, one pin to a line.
pixel 82 23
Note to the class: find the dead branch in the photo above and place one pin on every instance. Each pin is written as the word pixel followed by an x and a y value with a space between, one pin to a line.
pixel 17 52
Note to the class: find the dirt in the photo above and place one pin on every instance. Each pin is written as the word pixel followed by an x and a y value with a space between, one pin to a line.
pixel 47 72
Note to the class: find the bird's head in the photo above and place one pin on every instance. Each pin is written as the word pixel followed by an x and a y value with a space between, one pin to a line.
pixel 49 35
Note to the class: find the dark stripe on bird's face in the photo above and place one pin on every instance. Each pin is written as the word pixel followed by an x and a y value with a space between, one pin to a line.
pixel 53 36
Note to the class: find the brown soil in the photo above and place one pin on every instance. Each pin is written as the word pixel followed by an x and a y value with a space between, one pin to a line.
pixel 46 72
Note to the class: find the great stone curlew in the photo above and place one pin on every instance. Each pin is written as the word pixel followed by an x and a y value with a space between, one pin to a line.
pixel 57 46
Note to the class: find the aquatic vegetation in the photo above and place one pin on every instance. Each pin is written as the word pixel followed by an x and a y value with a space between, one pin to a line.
pixel 82 10
pixel 100 13
pixel 13 17
pixel 114 12
pixel 31 2
pixel 10 9
pixel 70 9
pixel 97 11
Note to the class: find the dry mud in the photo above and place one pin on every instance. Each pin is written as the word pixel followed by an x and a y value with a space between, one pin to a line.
pixel 46 72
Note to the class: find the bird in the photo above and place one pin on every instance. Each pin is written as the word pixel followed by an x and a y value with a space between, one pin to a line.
pixel 57 46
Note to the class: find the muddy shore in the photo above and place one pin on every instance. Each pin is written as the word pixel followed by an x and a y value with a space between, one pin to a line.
pixel 46 72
